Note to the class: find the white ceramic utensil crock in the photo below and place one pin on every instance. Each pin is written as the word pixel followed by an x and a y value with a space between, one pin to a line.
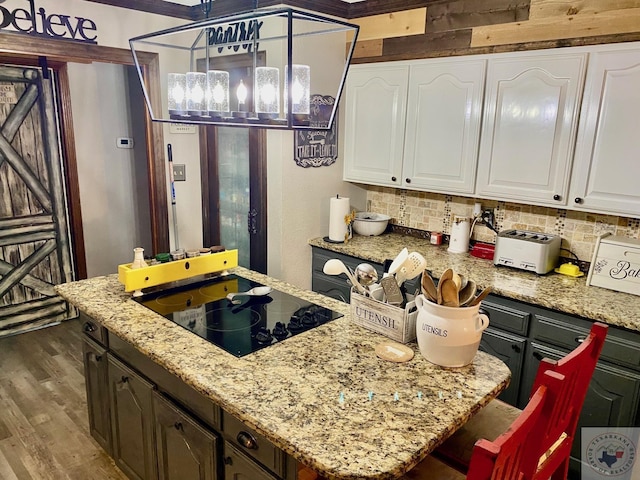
pixel 449 336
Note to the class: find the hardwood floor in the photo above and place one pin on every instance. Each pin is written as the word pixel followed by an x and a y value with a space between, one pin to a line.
pixel 44 430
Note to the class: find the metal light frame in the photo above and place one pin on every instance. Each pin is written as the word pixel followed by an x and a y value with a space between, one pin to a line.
pixel 287 119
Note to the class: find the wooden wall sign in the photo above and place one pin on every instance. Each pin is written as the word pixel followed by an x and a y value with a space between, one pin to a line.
pixel 317 148
pixel 37 21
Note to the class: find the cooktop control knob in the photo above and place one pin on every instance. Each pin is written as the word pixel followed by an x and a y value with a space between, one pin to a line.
pixel 264 335
pixel 280 331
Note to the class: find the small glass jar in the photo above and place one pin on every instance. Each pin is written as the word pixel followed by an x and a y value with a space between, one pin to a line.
pixel 436 238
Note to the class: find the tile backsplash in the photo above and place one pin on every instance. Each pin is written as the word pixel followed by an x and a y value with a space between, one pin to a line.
pixel 434 212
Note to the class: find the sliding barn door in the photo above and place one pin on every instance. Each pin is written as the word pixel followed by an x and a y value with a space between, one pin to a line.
pixel 35 253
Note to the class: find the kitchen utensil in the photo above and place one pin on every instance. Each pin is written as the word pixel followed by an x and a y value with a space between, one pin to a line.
pixel 334 266
pixel 429 287
pixel 398 261
pixel 446 275
pixel 450 293
pixel 467 293
pixel 254 292
pixel 411 267
pixel 392 291
pixel 366 275
pixel 480 297
pixel 457 279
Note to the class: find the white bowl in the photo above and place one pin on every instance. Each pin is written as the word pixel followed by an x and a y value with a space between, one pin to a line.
pixel 370 224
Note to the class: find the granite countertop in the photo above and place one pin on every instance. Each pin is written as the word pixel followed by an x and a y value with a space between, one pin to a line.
pixel 554 291
pixel 290 392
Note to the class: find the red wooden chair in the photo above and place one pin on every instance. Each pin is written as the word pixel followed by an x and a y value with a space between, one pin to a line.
pixel 511 456
pixel 577 367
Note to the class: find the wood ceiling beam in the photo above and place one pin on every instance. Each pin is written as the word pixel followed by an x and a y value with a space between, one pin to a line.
pixel 336 8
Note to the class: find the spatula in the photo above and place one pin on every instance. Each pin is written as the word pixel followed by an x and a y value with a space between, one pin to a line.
pixel 411 267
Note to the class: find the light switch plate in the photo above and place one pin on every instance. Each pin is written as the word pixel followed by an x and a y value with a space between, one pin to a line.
pixel 179 173
pixel 124 142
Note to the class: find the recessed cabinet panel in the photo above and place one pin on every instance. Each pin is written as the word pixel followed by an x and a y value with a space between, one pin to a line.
pixel 607 169
pixel 443 125
pixel 376 100
pixel 96 378
pixel 185 449
pixel 529 128
pixel 132 422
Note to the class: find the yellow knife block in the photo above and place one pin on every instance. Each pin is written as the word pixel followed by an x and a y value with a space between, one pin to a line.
pixel 154 275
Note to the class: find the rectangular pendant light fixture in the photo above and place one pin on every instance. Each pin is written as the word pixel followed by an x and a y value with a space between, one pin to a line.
pixel 292 56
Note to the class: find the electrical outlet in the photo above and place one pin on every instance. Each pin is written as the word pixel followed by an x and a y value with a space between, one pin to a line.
pixel 179 173
pixel 487 217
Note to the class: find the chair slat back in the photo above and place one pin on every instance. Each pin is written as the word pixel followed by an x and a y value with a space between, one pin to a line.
pixel 513 455
pixel 577 368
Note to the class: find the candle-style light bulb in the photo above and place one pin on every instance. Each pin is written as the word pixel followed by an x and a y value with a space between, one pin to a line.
pixel 241 93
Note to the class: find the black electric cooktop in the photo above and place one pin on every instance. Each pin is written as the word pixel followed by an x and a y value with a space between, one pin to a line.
pixel 256 323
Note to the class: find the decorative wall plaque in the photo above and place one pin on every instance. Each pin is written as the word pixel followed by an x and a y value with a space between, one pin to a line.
pixel 317 148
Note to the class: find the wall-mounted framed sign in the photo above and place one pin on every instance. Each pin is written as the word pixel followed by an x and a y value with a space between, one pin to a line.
pixel 317 148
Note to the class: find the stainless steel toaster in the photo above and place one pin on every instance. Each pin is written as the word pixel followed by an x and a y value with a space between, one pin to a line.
pixel 533 251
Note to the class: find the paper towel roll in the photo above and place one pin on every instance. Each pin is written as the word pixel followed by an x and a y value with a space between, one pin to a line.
pixel 339 208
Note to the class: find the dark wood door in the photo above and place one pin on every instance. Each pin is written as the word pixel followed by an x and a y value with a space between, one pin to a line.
pixel 97 386
pixel 132 422
pixel 35 250
pixel 184 448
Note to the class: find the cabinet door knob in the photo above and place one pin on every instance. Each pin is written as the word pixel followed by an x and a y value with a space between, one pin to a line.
pixel 88 327
pixel 228 461
pixel 515 347
pixel 580 339
pixel 538 356
pixel 578 200
pixel 98 358
pixel 178 426
pixel 408 180
pixel 393 179
pixel 247 440
pixel 124 379
pixel 557 197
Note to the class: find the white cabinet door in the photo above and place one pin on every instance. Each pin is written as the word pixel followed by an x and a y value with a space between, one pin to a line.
pixel 376 99
pixel 529 127
pixel 443 125
pixel 606 175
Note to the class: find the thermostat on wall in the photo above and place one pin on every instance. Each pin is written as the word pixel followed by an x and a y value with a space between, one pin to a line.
pixel 124 142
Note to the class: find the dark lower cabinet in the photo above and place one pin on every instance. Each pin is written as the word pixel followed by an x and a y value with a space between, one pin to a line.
pixel 96 381
pixel 132 421
pixel 156 427
pixel 237 466
pixel 185 450
pixel 510 349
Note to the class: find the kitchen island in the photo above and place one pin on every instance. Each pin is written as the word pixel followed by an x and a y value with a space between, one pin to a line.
pixel 310 394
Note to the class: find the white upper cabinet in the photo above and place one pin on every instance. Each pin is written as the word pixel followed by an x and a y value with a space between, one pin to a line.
pixel 443 125
pixel 529 127
pixel 376 99
pixel 606 174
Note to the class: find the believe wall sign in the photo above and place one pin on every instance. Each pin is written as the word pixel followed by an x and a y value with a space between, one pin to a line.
pixel 54 25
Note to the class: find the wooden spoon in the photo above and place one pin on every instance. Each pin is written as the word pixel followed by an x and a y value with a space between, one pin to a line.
pixel 467 293
pixel 429 287
pixel 446 275
pixel 480 297
pixel 449 293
